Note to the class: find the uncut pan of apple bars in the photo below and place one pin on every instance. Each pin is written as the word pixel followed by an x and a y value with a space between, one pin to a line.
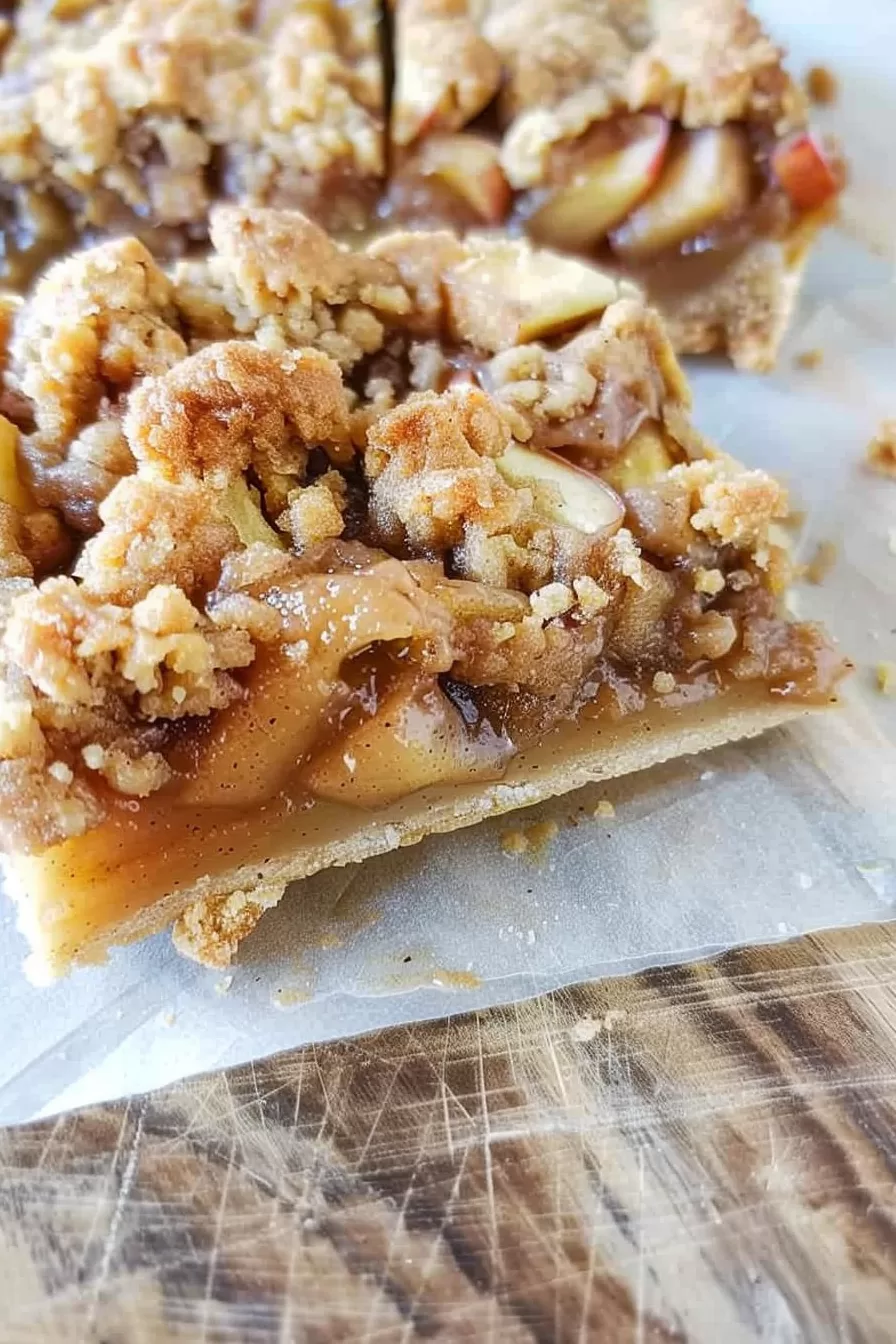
pixel 447 510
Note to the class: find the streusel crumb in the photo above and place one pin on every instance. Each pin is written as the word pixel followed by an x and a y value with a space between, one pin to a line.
pixel 236 404
pixel 278 277
pixel 735 506
pixel 95 324
pixel 210 931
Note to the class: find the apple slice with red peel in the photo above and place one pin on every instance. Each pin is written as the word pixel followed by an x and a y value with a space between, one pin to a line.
pixel 707 177
pixel 808 175
pixel 470 167
pixel 579 212
pixel 564 493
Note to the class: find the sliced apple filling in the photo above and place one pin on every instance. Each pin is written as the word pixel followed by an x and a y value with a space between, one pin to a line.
pixel 391 536
pixel 675 148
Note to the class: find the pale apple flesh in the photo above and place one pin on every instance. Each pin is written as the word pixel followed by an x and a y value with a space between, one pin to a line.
pixel 415 739
pixel 469 166
pixel 565 493
pixel 598 195
pixel 512 294
pixel 644 458
pixel 707 178
pixel 296 690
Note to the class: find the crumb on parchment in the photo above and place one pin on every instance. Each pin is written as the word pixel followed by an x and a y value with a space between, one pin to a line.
pixel 885 675
pixel 880 455
pixel 604 809
pixel 823 560
pixel 809 359
pixel 530 839
pixel 822 85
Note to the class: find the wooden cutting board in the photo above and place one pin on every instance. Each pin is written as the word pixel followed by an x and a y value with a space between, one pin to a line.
pixel 703 1153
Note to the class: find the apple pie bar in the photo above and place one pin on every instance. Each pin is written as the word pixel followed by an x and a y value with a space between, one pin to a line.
pixel 662 137
pixel 308 552
pixel 131 116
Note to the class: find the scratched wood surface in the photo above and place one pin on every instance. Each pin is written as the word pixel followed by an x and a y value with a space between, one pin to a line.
pixel 703 1153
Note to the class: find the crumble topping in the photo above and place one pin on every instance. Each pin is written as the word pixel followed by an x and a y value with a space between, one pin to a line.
pixel 95 323
pixel 260 482
pixel 236 405
pixel 276 276
pixel 315 513
pixel 735 506
pixel 709 581
pixel 75 649
pixel 822 85
pixel 617 372
pixel 720 246
pixel 150 108
pixel 435 487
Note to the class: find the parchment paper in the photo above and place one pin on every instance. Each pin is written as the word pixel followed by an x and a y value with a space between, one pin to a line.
pixel 793 832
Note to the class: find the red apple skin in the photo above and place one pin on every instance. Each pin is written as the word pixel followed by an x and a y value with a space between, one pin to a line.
pixel 805 171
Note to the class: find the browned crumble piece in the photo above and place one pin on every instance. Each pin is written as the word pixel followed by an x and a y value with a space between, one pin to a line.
pixel 315 512
pixel 95 324
pixel 156 531
pixel 822 85
pixel 277 277
pixel 809 359
pixel 236 404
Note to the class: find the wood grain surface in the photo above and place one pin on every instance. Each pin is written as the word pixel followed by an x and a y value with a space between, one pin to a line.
pixel 703 1153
